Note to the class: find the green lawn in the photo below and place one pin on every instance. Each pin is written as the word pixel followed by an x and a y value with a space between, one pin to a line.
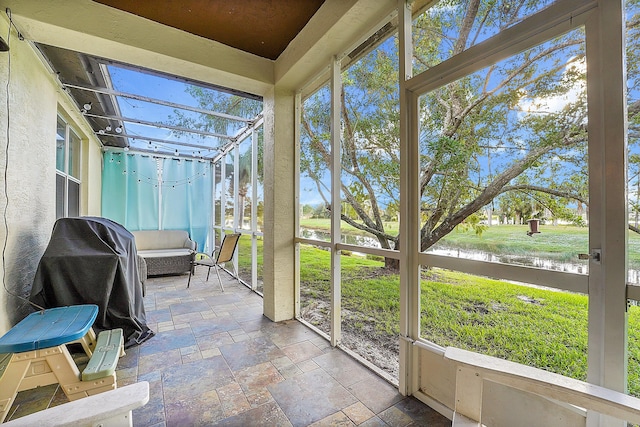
pixel 542 328
pixel 535 327
pixel 244 255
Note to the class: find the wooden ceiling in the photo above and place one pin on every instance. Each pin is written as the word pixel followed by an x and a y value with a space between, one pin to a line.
pixel 260 27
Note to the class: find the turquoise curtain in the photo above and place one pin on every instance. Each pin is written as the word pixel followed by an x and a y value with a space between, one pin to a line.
pixel 130 190
pixel 146 193
pixel 187 198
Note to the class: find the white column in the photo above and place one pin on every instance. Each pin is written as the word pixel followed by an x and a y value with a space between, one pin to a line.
pixel 409 210
pixel 336 201
pixel 223 195
pixel 254 206
pixel 237 211
pixel 279 204
pixel 159 176
pixel 296 223
pixel 607 354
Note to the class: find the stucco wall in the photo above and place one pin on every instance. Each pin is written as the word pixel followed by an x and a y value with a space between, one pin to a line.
pixel 279 210
pixel 91 178
pixel 27 147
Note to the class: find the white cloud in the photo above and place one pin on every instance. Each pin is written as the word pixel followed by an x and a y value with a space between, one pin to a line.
pixel 554 104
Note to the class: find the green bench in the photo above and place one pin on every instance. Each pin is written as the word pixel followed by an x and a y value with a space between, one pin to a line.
pixel 109 348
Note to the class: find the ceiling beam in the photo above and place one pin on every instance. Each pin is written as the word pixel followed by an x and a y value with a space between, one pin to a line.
pixel 159 125
pixel 158 140
pixel 99 30
pixel 156 101
pixel 162 153
pixel 338 27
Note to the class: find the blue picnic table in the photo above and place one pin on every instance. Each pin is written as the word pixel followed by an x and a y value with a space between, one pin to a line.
pixel 34 353
pixel 49 328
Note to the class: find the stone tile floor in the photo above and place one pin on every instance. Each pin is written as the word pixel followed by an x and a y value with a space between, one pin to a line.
pixel 216 360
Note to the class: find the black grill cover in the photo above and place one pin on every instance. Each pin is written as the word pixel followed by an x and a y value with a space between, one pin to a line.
pixel 93 260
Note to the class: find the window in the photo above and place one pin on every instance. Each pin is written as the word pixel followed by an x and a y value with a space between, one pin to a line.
pixel 519 122
pixel 67 171
pixel 315 166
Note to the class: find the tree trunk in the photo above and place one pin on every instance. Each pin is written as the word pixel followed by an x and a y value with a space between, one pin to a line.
pixel 391 263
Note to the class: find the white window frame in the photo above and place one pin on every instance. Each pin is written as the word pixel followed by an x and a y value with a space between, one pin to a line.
pixel 68 178
pixel 606 287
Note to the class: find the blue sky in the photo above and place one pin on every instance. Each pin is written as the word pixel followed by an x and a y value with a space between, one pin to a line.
pixel 166 89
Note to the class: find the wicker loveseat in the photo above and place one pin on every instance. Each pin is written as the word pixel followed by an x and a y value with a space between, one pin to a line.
pixel 165 251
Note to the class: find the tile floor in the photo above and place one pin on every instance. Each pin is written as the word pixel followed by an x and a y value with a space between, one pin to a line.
pixel 216 360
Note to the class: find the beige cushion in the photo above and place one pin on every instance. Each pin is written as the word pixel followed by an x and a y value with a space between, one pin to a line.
pixel 162 239
pixel 161 253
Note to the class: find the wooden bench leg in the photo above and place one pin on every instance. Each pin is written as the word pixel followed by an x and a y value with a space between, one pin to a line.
pixel 88 342
pixel 10 384
pixel 33 369
pixel 68 376
pixel 55 365
pixel 63 367
pixel 37 368
pixel 82 389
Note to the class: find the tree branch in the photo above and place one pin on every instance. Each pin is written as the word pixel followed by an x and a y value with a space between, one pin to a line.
pixel 490 192
pixel 550 191
pixel 466 26
pixel 381 235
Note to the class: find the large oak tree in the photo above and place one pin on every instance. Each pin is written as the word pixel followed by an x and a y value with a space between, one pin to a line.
pixel 516 127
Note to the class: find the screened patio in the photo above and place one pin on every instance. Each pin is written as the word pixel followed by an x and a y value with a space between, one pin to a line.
pixel 340 158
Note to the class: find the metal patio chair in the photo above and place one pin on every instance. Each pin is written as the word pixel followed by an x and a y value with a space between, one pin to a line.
pixel 225 254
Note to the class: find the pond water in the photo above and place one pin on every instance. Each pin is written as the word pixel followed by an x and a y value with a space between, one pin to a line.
pixel 350 239
pixel 577 266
